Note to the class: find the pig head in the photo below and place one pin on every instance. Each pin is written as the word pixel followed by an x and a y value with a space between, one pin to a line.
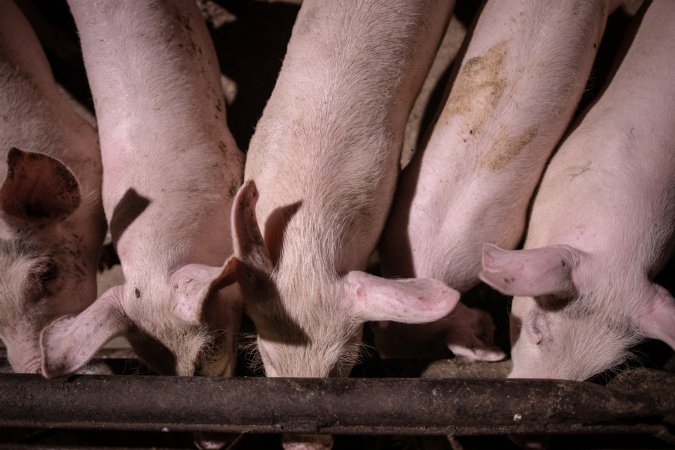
pixel 572 317
pixel 308 317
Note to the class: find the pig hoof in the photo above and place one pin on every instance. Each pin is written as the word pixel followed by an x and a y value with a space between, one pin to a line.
pixel 488 353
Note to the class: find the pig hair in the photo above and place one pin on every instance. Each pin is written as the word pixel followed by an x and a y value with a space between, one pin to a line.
pixel 248 343
pixel 20 259
pixel 190 341
pixel 585 347
pixel 164 326
pixel 352 354
pixel 210 351
pixel 599 322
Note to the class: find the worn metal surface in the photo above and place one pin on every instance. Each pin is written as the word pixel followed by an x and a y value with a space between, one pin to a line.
pixel 641 401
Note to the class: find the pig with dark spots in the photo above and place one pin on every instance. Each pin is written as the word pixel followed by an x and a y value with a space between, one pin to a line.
pixel 169 164
pixel 602 224
pixel 51 217
pixel 321 173
pixel 513 96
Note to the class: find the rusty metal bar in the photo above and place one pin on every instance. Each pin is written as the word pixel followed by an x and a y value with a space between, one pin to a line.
pixel 638 401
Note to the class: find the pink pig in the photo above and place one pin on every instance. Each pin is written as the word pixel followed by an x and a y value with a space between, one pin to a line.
pixel 519 82
pixel 171 169
pixel 51 216
pixel 324 160
pixel 601 226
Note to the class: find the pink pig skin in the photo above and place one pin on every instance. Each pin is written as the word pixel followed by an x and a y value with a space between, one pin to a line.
pixel 324 161
pixel 51 216
pixel 171 169
pixel 518 84
pixel 602 224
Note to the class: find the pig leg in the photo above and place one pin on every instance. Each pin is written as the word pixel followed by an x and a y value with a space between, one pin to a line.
pixel 470 333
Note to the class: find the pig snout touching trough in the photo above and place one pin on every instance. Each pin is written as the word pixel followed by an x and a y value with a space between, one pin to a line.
pixel 51 215
pixel 601 225
pixel 513 96
pixel 171 169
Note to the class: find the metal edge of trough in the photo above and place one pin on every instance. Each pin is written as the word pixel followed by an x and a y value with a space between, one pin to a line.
pixel 641 401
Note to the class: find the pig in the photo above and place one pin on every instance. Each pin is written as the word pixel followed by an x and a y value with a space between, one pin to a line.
pixel 324 160
pixel 602 224
pixel 319 178
pixel 513 96
pixel 51 214
pixel 171 169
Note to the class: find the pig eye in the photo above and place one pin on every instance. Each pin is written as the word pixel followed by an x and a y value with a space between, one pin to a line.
pixel 536 327
pixel 48 273
pixel 536 334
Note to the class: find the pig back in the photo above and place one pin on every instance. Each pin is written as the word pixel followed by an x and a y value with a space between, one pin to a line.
pixel 331 134
pixel 170 161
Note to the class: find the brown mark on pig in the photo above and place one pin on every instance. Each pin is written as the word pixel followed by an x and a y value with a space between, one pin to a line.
pixel 507 148
pixel 478 86
pixel 579 170
pixel 234 186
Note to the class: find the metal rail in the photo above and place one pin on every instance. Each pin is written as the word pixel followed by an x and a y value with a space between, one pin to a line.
pixel 637 401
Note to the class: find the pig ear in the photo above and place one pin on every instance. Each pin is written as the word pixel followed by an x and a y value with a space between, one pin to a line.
pixel 193 285
pixel 541 271
pixel 411 300
pixel 659 321
pixel 249 245
pixel 38 187
pixel 69 342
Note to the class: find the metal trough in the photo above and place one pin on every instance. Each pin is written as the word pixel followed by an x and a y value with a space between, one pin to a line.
pixel 637 401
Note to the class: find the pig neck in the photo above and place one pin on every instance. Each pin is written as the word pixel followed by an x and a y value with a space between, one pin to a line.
pixel 617 175
pixel 164 143
pixel 171 165
pixel 510 102
pixel 331 146
pixel 160 224
pixel 623 205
